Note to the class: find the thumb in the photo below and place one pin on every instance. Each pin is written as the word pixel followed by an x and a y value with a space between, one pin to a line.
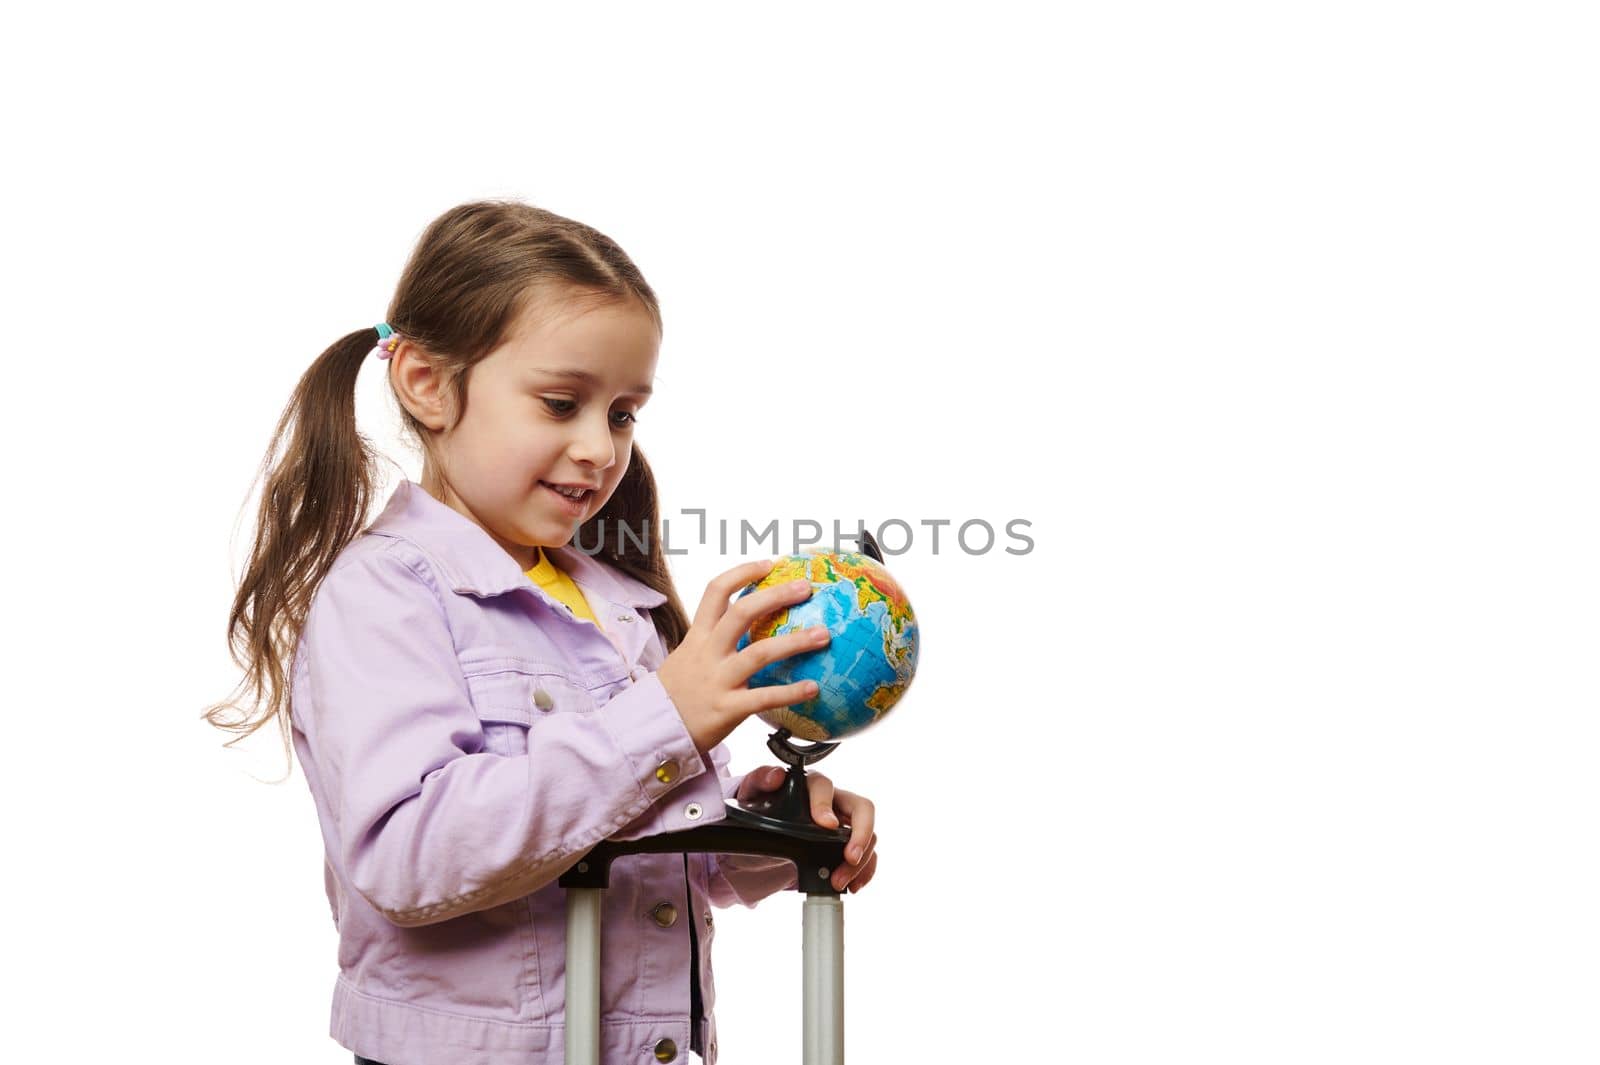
pixel 767 778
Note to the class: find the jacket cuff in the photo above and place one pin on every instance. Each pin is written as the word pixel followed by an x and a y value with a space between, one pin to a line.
pixel 645 724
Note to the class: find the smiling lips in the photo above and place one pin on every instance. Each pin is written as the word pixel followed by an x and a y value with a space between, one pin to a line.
pixel 572 498
pixel 572 491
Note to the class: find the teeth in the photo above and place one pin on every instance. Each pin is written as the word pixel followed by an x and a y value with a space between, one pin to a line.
pixel 570 493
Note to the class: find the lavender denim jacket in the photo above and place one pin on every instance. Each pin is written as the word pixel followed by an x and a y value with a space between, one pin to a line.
pixel 466 739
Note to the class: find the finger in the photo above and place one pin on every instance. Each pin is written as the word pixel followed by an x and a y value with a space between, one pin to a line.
pixel 767 778
pixel 774 697
pixel 867 872
pixel 822 800
pixel 857 852
pixel 750 609
pixel 849 872
pixel 715 601
pixel 761 653
pixel 862 816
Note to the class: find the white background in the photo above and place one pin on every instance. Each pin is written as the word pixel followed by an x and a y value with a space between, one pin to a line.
pixel 1276 321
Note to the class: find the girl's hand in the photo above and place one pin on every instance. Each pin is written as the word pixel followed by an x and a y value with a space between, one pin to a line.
pixel 707 678
pixel 857 811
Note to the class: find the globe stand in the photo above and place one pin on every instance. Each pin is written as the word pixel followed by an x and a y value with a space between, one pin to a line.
pixel 790 804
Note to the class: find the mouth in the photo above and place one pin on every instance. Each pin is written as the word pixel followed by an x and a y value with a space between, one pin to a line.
pixel 572 498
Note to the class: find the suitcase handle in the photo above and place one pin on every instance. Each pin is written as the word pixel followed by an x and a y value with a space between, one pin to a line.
pixel 815 852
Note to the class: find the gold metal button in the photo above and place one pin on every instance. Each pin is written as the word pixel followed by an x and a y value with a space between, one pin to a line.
pixel 667 771
pixel 666 1050
pixel 543 699
pixel 665 914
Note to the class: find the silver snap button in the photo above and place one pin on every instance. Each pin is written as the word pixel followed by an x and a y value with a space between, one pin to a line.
pixel 624 617
pixel 543 699
pixel 692 811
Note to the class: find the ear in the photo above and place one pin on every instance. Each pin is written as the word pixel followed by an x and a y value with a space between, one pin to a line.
pixel 421 385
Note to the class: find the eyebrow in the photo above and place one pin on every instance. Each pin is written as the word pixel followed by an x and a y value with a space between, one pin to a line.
pixel 588 378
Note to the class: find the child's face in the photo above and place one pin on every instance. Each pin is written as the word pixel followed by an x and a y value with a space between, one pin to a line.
pixel 527 425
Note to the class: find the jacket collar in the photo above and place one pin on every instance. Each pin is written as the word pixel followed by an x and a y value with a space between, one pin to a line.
pixel 470 561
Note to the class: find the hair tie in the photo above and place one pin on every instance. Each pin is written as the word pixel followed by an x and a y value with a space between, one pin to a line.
pixel 388 340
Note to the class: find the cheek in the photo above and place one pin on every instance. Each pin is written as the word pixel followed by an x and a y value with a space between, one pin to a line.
pixel 533 450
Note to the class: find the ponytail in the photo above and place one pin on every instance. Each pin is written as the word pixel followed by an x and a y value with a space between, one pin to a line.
pixel 314 502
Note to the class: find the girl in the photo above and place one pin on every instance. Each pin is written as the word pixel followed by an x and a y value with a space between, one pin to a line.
pixel 497 673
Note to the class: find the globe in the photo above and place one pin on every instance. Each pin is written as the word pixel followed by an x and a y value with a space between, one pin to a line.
pixel 864 669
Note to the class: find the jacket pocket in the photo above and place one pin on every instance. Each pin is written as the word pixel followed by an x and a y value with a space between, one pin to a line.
pixel 510 701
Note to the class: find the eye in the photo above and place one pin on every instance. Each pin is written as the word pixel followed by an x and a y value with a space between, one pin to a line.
pixel 621 419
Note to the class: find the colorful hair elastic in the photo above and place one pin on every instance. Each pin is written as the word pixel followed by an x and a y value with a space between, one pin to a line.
pixel 388 340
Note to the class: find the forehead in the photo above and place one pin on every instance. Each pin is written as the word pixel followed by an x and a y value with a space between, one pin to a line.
pixel 597 345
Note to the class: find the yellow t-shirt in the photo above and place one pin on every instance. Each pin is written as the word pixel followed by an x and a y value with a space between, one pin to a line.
pixel 547 575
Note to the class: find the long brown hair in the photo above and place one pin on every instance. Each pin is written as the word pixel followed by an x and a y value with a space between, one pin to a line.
pixel 474 271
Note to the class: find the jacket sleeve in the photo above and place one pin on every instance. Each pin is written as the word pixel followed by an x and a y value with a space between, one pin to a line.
pixel 428 825
pixel 745 879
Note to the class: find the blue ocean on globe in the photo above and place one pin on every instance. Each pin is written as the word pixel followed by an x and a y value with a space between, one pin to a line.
pixel 872 656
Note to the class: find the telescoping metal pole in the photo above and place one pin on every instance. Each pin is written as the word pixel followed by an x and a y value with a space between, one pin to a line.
pixel 823 946
pixel 583 976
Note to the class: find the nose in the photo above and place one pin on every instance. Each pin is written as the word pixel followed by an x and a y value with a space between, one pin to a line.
pixel 592 444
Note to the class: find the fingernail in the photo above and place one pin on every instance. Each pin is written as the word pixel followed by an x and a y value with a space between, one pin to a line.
pixel 854 854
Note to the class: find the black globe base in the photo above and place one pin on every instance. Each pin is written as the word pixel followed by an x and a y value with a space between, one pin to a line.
pixel 790 804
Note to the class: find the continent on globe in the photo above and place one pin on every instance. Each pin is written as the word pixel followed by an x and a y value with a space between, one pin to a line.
pixel 864 669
